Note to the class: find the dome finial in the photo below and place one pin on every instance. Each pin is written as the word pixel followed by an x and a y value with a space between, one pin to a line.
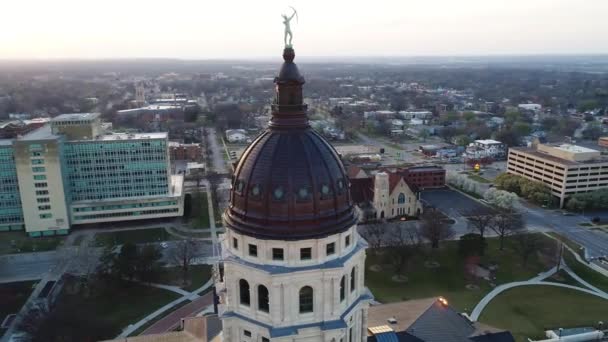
pixel 289 54
pixel 286 22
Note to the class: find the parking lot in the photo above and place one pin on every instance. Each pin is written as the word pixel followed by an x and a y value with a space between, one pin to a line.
pixel 452 203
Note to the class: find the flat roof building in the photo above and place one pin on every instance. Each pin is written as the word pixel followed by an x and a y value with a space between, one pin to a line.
pixel 567 169
pixel 73 172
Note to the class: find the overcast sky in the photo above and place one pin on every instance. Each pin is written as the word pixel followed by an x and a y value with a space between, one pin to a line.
pixel 201 29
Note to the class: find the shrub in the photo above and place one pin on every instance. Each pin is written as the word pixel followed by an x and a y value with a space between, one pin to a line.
pixel 535 192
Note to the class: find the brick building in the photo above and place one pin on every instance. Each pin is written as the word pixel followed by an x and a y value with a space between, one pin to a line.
pixel 190 152
pixel 424 177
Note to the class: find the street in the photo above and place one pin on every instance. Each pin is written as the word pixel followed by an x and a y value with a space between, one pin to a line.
pixel 217 152
pixel 26 266
pixel 596 243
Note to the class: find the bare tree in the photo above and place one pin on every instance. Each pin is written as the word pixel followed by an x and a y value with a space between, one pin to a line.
pixel 403 242
pixel 479 222
pixel 528 244
pixel 183 254
pixel 506 223
pixel 85 265
pixel 434 227
pixel 374 234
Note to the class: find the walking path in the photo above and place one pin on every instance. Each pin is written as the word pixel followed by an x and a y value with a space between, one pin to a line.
pixel 538 280
pixel 169 319
pixel 172 321
pixel 171 288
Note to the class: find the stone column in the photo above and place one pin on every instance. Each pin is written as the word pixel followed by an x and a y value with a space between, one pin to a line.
pixel 364 325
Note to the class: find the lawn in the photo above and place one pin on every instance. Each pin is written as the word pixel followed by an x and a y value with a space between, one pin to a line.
pixel 129 304
pixel 592 277
pixel 478 178
pixel 449 279
pixel 573 245
pixel 134 236
pixel 13 296
pixel 19 242
pixel 197 277
pixel 529 311
pixel 200 214
pixel 194 234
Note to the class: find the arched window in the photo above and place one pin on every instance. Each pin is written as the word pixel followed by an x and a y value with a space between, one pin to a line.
pixel 353 282
pixel 401 198
pixel 306 298
pixel 342 288
pixel 263 299
pixel 244 292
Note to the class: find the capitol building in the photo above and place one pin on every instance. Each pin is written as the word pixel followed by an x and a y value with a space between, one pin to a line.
pixel 293 260
pixel 293 263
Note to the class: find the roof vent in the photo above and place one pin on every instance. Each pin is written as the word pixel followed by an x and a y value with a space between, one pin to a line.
pixel 392 320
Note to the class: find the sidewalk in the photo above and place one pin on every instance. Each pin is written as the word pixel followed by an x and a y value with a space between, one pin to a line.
pixel 186 296
pixel 539 280
pixel 172 320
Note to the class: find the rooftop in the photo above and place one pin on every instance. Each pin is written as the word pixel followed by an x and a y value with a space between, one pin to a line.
pixel 574 148
pixel 405 313
pixel 488 142
pixel 75 116
pixel 132 136
pixel 540 154
pixel 6 142
pixel 42 133
pixel 429 320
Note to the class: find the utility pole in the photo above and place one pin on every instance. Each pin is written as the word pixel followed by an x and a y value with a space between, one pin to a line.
pixel 559 255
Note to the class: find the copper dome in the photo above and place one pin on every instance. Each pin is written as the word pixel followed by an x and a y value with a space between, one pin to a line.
pixel 290 182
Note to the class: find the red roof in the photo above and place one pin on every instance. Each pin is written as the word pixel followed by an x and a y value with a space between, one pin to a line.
pixel 362 189
pixel 353 171
pixel 393 180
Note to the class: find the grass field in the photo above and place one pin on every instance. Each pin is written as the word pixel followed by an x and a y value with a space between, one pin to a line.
pixel 124 307
pixel 529 311
pixel 594 278
pixel 478 178
pixel 449 280
pixel 573 245
pixel 200 216
pixel 198 275
pixel 19 242
pixel 134 236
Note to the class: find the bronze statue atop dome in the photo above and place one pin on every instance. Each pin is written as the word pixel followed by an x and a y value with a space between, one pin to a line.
pixel 286 22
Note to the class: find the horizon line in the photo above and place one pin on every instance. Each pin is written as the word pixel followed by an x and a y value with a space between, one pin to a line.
pixel 273 57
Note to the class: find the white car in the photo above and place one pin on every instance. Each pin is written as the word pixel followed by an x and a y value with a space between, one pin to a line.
pixel 164 245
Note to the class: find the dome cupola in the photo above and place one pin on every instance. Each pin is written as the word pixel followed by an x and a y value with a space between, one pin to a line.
pixel 290 183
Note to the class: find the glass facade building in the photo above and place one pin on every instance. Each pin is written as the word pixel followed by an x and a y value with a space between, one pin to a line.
pixel 11 215
pixel 71 178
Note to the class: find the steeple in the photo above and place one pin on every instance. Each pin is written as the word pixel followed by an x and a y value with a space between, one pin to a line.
pixel 288 109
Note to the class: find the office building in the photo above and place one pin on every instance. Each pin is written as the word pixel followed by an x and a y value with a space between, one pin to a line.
pixel 567 169
pixel 11 216
pixel 74 172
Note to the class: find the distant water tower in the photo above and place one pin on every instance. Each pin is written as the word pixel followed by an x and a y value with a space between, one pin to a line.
pixel 140 94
